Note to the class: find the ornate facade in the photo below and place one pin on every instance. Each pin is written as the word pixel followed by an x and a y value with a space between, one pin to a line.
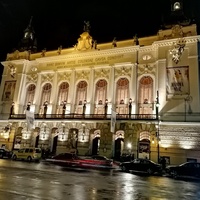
pixel 152 85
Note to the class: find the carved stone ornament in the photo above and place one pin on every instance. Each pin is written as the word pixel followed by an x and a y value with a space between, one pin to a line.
pixel 47 77
pixel 13 70
pixel 85 42
pixel 122 71
pixel 177 50
pixel 103 73
pixel 64 76
pixel 82 75
pixel 32 78
pixel 146 69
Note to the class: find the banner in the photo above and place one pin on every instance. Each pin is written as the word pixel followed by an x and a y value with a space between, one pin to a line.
pixel 178 80
pixel 113 121
pixel 30 118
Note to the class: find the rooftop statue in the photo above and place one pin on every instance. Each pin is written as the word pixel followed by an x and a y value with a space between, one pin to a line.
pixel 87 26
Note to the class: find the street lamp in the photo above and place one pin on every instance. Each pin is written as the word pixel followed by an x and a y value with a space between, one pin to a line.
pixel 157 105
pixel 28 106
pixel 12 109
pixel 63 108
pixel 187 99
pixel 158 140
pixel 84 107
pixel 158 126
pixel 106 107
pixel 45 108
pixel 130 107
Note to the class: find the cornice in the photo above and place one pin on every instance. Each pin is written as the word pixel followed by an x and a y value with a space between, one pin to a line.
pixel 88 54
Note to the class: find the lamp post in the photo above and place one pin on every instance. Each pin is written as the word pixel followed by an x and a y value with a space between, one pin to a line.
pixel 63 108
pixel 12 109
pixel 84 107
pixel 45 108
pixel 158 126
pixel 28 106
pixel 130 107
pixel 106 108
pixel 187 100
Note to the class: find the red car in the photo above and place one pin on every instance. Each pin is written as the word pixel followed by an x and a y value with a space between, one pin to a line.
pixel 65 159
pixel 96 161
pixel 72 160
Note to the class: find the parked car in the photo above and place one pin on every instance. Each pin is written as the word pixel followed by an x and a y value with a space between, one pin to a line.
pixel 141 165
pixel 191 169
pixel 5 153
pixel 27 153
pixel 65 160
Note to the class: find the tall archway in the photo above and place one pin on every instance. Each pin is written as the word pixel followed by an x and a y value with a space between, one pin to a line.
pixel 96 142
pixel 119 144
pixel 144 145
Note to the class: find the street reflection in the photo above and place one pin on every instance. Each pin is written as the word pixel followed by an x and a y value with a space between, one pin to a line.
pixel 39 181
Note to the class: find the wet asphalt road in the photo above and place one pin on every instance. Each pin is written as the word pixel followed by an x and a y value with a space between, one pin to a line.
pixel 39 181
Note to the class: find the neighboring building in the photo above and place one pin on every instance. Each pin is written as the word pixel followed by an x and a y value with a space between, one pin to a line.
pixel 152 83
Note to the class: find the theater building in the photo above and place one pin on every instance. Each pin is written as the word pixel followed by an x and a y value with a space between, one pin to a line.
pixel 150 83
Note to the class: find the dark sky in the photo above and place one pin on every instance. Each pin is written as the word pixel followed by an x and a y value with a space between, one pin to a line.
pixel 61 22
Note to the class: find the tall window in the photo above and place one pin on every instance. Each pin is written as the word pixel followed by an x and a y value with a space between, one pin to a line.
pixel 46 93
pixel 145 96
pixel 30 94
pixel 122 95
pixel 100 96
pixel 100 92
pixel 122 91
pixel 63 92
pixel 81 92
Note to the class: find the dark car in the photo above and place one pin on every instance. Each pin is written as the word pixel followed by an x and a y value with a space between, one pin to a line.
pixel 191 169
pixel 64 159
pixel 5 153
pixel 141 165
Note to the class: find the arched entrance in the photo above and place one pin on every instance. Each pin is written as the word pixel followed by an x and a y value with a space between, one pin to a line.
pixel 119 144
pixel 144 145
pixel 96 142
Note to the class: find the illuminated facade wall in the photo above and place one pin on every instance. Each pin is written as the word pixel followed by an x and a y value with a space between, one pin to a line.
pixel 85 78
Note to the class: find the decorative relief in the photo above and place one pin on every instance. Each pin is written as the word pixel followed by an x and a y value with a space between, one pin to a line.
pixel 47 77
pixel 13 70
pixel 64 76
pixel 176 31
pixel 32 78
pixel 146 69
pixel 102 73
pixel 122 71
pixel 82 75
pixel 177 50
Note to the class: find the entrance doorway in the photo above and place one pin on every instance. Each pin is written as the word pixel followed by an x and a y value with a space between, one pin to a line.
pixel 55 141
pixel 95 146
pixel 119 145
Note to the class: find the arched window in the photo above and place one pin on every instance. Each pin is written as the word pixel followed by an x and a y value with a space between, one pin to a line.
pixel 81 92
pixel 122 91
pixel 46 93
pixel 145 96
pixel 100 91
pixel 63 92
pixel 30 94
pixel 100 96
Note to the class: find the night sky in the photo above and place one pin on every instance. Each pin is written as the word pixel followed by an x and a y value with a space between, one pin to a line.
pixel 61 22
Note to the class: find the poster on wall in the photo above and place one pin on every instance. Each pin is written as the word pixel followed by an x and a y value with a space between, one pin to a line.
pixel 8 92
pixel 178 80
